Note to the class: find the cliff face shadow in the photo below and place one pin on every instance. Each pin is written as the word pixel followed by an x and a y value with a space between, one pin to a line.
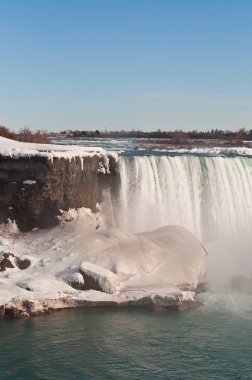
pixel 33 190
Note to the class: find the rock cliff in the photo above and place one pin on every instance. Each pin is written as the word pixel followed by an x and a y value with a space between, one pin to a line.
pixel 34 188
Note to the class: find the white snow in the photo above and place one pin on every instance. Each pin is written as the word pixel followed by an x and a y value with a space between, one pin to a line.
pixel 16 149
pixel 132 266
pixel 106 279
pixel 29 182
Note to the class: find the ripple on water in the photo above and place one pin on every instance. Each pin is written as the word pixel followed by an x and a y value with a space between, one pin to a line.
pixel 214 341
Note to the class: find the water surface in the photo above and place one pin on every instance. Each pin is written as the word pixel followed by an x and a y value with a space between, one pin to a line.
pixel 212 342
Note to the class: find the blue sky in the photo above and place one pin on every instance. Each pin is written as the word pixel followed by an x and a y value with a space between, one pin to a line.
pixel 126 64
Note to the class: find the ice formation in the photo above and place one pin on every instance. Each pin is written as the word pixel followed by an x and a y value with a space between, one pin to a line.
pixel 167 263
pixel 106 279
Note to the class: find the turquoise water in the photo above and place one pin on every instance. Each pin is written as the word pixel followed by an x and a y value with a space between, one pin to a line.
pixel 212 342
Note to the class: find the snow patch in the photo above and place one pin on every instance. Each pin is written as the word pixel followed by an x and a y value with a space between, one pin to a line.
pixel 16 149
pixel 29 182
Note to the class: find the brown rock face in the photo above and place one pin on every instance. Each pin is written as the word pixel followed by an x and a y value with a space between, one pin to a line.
pixel 2 312
pixel 90 283
pixel 9 260
pixel 5 261
pixel 33 190
pixel 23 263
pixel 76 285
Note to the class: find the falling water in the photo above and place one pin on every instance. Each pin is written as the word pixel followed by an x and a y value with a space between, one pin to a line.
pixel 209 195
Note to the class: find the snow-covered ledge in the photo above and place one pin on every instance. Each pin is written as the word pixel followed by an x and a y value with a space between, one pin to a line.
pixel 75 265
pixel 38 180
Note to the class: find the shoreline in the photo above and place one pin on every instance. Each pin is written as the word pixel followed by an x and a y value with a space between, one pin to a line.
pixel 25 309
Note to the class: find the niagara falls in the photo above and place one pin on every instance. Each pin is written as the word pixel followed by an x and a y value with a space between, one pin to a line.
pixel 125 190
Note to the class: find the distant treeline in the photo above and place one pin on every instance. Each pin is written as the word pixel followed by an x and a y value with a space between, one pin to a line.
pixel 27 135
pixel 241 134
pixel 5 132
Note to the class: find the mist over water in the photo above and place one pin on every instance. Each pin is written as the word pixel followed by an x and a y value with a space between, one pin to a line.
pixel 228 259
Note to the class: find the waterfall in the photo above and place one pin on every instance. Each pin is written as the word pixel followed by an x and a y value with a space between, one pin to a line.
pixel 209 195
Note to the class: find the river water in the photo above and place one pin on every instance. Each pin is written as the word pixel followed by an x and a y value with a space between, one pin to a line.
pixel 211 342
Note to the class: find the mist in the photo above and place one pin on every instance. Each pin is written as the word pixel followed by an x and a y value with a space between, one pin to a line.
pixel 229 263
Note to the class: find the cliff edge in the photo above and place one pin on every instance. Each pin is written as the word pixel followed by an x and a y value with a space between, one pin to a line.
pixel 39 180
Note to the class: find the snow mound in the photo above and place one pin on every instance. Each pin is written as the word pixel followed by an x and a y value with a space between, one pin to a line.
pixel 106 279
pixel 162 267
pixel 44 286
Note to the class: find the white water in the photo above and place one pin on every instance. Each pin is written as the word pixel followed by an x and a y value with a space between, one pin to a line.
pixel 209 195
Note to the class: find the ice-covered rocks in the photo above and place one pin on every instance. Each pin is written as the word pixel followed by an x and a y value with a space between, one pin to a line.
pixel 98 278
pixel 75 280
pixel 23 262
pixel 6 261
pixel 170 255
pixel 104 267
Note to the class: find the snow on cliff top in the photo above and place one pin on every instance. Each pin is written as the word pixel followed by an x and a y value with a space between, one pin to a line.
pixel 15 149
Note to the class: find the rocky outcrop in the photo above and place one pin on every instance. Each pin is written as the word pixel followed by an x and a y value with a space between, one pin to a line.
pixel 99 278
pixel 76 281
pixel 2 312
pixel 23 262
pixel 9 260
pixel 33 190
pixel 6 261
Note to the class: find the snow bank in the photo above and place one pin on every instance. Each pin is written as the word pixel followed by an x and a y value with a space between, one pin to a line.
pixel 16 149
pixel 160 267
